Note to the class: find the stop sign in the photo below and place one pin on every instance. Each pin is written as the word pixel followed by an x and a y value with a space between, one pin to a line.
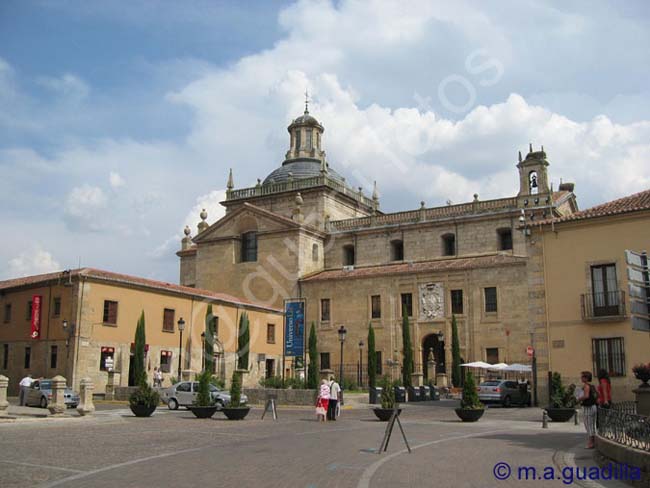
pixel 530 351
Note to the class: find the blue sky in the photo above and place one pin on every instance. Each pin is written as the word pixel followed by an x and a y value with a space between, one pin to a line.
pixel 120 120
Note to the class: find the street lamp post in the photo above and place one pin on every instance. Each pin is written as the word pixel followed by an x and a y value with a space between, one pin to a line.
pixel 360 364
pixel 342 333
pixel 181 328
pixel 202 351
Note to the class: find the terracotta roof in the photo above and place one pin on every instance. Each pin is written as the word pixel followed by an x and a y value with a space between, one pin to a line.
pixel 110 276
pixel 633 203
pixel 455 264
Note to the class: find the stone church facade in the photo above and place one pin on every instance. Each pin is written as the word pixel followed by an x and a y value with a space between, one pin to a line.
pixel 304 232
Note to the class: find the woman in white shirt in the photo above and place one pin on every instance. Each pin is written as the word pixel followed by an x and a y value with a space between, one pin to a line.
pixel 322 401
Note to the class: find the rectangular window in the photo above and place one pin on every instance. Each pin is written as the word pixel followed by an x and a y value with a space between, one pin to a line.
pixel 609 354
pixel 505 239
pixel 325 310
pixel 249 247
pixel 110 312
pixel 309 139
pixel 457 302
pixel 449 245
pixel 490 299
pixel 270 333
pixel 605 290
pixel 168 320
pixel 165 361
pixel 28 357
pixel 379 367
pixel 324 360
pixel 5 356
pixel 492 355
pixel 375 303
pixel 348 255
pixel 397 251
pixel 56 307
pixel 54 356
pixel 107 358
pixel 407 304
pixel 28 314
pixel 7 314
pixel 298 139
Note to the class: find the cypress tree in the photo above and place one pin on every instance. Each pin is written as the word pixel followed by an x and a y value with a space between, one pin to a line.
pixel 372 358
pixel 455 354
pixel 312 368
pixel 407 353
pixel 139 372
pixel 208 344
pixel 243 342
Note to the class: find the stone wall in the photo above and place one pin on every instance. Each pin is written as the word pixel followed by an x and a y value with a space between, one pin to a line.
pixel 611 452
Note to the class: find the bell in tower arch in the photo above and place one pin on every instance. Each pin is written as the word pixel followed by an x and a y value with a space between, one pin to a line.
pixel 533 187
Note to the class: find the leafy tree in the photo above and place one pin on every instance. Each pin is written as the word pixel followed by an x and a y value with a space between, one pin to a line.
pixel 387 393
pixel 203 397
pixel 312 368
pixel 470 396
pixel 455 354
pixel 139 372
pixel 407 353
pixel 208 344
pixel 243 342
pixel 235 389
pixel 372 358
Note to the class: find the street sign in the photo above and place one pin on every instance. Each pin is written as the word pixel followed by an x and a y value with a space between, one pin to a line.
pixel 638 308
pixel 635 275
pixel 635 258
pixel 530 351
pixel 640 323
pixel 639 287
pixel 637 291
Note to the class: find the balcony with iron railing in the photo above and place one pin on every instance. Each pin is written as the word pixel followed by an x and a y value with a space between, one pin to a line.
pixel 603 306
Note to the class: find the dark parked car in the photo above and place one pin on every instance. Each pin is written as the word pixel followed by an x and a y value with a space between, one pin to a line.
pixel 505 392
pixel 40 395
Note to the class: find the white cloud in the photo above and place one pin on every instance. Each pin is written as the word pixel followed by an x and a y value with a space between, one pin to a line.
pixel 67 85
pixel 84 208
pixel 116 180
pixel 35 261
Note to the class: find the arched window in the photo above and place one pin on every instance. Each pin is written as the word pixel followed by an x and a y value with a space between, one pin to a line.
pixel 314 252
pixel 533 183
pixel 309 141
pixel 249 247
pixel 348 255
pixel 504 239
pixel 298 140
pixel 449 245
pixel 397 250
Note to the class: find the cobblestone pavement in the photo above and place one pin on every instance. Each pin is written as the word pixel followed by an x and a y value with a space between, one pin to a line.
pixel 113 448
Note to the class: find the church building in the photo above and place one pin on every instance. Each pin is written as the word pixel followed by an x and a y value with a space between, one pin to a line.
pixel 304 233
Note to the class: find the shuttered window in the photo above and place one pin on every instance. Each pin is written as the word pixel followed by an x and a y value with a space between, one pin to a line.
pixel 110 312
pixel 609 354
pixel 168 320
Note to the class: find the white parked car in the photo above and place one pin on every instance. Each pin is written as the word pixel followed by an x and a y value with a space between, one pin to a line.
pixel 184 393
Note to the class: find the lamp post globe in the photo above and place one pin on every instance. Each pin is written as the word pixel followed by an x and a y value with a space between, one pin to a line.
pixel 181 328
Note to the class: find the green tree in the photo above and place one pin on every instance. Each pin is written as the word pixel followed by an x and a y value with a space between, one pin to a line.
pixel 470 396
pixel 139 372
pixel 235 389
pixel 372 358
pixel 208 344
pixel 312 368
pixel 243 342
pixel 407 353
pixel 203 397
pixel 455 354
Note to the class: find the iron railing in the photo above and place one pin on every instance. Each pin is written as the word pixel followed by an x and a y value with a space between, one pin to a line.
pixel 618 425
pixel 610 304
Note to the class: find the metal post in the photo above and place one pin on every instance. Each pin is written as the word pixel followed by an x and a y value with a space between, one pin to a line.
pixel 341 365
pixel 180 356
pixel 360 364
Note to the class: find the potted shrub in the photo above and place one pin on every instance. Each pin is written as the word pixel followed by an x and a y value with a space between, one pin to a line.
pixel 204 406
pixel 384 412
pixel 563 401
pixel 235 409
pixel 144 400
pixel 471 409
pixel 642 372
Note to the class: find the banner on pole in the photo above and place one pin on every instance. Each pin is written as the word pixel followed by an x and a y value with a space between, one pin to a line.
pixel 37 301
pixel 294 333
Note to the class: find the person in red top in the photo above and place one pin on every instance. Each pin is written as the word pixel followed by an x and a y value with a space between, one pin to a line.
pixel 604 389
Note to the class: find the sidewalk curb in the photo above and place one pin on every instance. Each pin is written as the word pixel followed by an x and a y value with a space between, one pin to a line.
pixel 564 459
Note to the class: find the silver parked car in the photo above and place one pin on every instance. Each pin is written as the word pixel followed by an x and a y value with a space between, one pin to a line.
pixel 40 395
pixel 505 392
pixel 183 394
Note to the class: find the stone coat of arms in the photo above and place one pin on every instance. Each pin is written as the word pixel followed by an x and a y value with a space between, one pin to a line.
pixel 432 301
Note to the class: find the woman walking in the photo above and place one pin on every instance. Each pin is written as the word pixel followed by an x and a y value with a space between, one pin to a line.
pixel 322 402
pixel 604 389
pixel 589 409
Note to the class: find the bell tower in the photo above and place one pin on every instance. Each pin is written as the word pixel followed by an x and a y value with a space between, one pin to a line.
pixel 533 175
pixel 306 134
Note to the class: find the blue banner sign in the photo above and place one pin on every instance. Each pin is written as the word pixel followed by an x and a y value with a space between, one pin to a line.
pixel 294 328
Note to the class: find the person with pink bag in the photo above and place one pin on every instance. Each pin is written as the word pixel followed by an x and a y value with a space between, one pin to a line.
pixel 322 402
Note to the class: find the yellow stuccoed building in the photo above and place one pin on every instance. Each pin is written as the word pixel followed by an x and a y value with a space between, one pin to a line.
pixel 88 319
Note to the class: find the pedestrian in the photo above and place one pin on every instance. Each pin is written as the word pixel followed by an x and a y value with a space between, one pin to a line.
pixel 25 383
pixel 157 377
pixel 335 390
pixel 588 401
pixel 604 389
pixel 322 401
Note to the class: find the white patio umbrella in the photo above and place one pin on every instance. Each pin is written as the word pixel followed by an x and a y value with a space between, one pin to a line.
pixel 519 368
pixel 477 364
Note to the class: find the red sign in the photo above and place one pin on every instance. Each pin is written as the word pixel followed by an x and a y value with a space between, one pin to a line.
pixel 530 351
pixel 36 316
